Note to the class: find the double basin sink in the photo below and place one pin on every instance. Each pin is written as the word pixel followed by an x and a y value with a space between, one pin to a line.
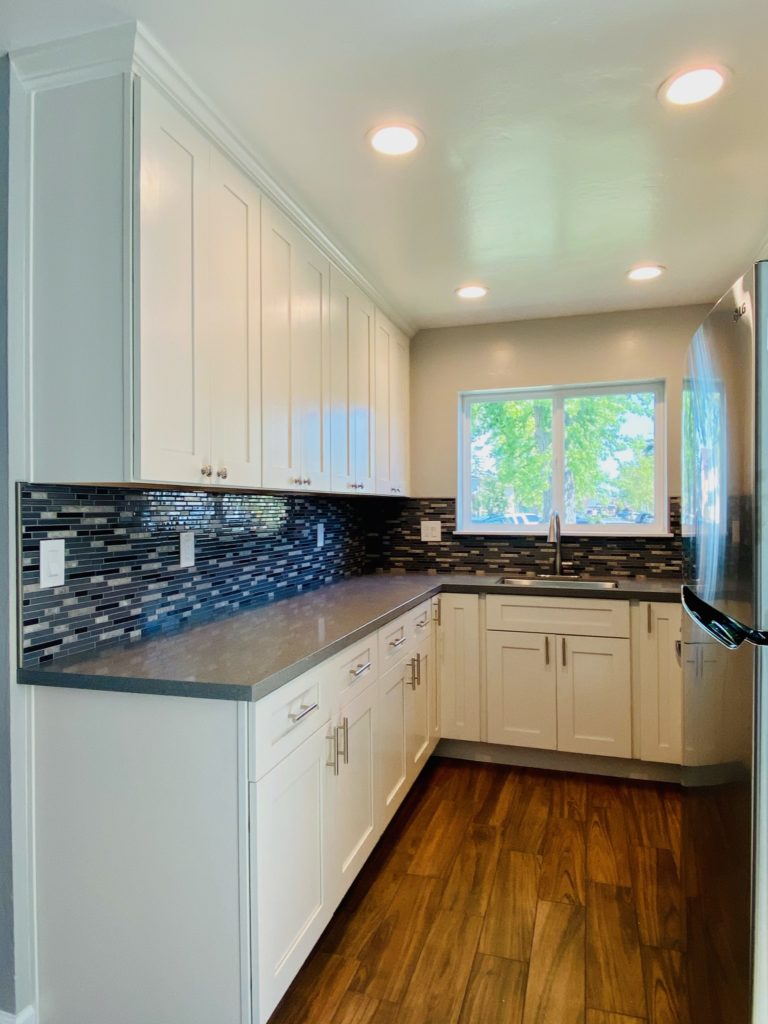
pixel 557 582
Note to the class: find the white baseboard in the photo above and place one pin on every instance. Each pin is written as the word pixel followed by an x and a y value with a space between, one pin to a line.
pixel 26 1016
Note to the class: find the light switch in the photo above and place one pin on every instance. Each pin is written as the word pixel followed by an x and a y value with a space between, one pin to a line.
pixel 187 549
pixel 431 530
pixel 52 563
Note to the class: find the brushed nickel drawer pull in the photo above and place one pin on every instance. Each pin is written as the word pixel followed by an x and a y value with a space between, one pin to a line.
pixel 650 619
pixel 306 709
pixel 546 650
pixel 397 643
pixel 437 612
pixel 334 761
pixel 563 652
pixel 360 669
pixel 422 623
pixel 412 682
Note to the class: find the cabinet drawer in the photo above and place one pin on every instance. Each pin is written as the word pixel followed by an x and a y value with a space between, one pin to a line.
pixel 283 719
pixel 421 621
pixel 575 616
pixel 395 641
pixel 354 668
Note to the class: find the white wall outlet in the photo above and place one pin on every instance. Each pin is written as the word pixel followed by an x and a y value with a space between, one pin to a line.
pixel 431 529
pixel 52 555
pixel 187 549
pixel 321 535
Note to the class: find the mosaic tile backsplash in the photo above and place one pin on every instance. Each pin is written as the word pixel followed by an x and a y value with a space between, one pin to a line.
pixel 395 543
pixel 123 577
pixel 122 558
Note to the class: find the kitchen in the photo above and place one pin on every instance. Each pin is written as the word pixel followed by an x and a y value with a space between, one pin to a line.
pixel 353 475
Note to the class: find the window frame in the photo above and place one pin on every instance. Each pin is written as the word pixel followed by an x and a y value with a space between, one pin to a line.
pixel 558 395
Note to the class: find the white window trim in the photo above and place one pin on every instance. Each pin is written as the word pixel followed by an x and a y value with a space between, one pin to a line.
pixel 659 528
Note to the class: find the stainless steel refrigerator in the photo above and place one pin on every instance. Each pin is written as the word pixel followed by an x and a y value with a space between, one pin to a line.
pixel 724 502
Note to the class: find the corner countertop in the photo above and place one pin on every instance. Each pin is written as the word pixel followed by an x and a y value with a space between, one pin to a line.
pixel 248 654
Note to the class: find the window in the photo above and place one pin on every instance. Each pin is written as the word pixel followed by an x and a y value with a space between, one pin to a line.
pixel 593 453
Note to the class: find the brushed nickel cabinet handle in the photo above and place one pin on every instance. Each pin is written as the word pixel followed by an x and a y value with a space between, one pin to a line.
pixel 343 731
pixel 306 481
pixel 334 759
pixel 306 709
pixel 418 669
pixel 546 650
pixel 206 470
pixel 222 473
pixel 649 618
pixel 438 607
pixel 397 643
pixel 360 670
pixel 564 652
pixel 412 681
pixel 422 622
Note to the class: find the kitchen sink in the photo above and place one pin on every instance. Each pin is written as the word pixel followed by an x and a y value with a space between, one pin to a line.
pixel 558 582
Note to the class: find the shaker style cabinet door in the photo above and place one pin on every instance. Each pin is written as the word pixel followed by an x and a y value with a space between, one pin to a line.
pixel 594 704
pixel 417 708
pixel 660 688
pixel 459 666
pixel 352 388
pixel 235 326
pixel 292 900
pixel 392 766
pixel 522 689
pixel 172 374
pixel 295 357
pixel 353 811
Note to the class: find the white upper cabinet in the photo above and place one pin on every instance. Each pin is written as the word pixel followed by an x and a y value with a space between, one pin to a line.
pixel 392 408
pixel 234 356
pixel 173 382
pixel 194 314
pixel 295 357
pixel 352 387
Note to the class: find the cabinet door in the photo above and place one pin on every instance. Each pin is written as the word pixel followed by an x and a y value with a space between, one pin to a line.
pixel 594 706
pixel 433 679
pixel 352 387
pixel 295 357
pixel 292 899
pixel 392 770
pixel 417 709
pixel 522 689
pixel 353 815
pixel 400 414
pixel 173 385
pixel 660 683
pixel 459 666
pixel 235 358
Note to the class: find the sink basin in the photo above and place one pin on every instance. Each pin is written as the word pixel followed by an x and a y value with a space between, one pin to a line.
pixel 558 582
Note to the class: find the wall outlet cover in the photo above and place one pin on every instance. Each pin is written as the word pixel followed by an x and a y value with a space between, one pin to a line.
pixel 52 561
pixel 431 530
pixel 187 549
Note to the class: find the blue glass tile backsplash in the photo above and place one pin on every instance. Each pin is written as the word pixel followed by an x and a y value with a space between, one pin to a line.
pixel 123 577
pixel 122 558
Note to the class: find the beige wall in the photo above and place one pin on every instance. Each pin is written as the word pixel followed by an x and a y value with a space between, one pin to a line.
pixel 631 345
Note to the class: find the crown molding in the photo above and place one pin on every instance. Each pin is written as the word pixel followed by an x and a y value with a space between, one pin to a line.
pixel 151 60
pixel 98 54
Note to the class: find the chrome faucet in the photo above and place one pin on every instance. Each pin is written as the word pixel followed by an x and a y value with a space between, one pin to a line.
pixel 553 537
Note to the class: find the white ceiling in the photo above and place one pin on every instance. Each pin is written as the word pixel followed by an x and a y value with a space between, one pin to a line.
pixel 548 167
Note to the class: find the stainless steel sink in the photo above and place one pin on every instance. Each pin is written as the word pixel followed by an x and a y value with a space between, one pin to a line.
pixel 558 582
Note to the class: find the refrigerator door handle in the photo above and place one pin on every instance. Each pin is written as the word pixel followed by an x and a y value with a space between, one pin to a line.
pixel 725 630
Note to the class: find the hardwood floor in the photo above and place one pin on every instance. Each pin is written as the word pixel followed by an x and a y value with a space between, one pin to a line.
pixel 509 896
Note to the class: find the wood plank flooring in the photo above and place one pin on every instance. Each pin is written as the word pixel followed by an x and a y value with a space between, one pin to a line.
pixel 509 896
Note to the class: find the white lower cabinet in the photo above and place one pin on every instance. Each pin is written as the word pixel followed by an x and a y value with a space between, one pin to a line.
pixel 459 666
pixel 291 879
pixel 352 803
pixel 594 696
pixel 522 689
pixel 392 764
pixel 417 732
pixel 660 684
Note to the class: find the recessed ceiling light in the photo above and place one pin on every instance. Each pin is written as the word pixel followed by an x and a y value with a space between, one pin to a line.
pixel 394 139
pixel 472 291
pixel 647 272
pixel 693 86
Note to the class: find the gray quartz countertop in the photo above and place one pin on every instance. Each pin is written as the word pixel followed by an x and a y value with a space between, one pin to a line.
pixel 246 655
